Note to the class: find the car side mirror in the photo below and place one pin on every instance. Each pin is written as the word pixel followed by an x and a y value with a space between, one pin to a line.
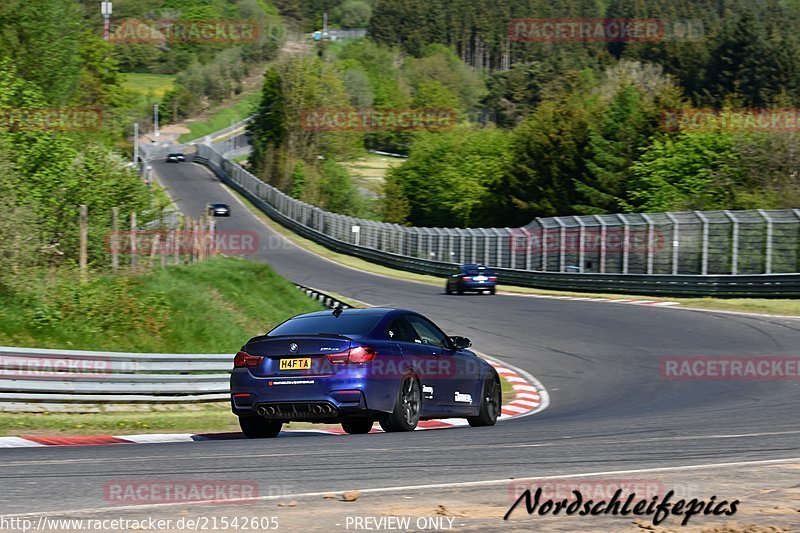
pixel 461 342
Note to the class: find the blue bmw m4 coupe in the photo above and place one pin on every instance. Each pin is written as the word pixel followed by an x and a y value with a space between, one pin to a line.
pixel 358 366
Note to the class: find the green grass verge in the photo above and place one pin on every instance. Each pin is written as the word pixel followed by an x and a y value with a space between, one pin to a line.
pixel 786 307
pixel 149 84
pixel 234 112
pixel 208 307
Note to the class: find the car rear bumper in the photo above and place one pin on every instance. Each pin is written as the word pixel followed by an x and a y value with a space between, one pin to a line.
pixel 309 399
pixel 478 285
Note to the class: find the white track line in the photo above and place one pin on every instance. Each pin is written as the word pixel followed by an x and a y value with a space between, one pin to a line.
pixel 403 488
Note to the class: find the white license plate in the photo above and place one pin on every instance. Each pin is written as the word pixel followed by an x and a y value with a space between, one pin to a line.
pixel 479 278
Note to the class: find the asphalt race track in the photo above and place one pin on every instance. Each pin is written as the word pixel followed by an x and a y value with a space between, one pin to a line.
pixel 610 409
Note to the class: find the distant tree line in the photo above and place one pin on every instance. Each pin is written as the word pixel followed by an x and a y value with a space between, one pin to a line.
pixel 554 128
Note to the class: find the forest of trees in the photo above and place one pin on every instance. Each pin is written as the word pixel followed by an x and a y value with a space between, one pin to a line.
pixel 53 57
pixel 565 127
pixel 207 73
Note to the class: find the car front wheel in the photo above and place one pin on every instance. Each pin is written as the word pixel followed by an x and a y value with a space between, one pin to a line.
pixel 259 428
pixel 491 403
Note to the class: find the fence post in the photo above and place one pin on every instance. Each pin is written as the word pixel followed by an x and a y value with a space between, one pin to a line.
pixel 114 239
pixel 704 251
pixel 512 241
pixel 562 244
pixel 212 235
pixel 177 241
pixel 797 254
pixel 544 248
pixel 676 243
pixel 734 242
pixel 84 237
pixel 768 258
pixel 603 243
pixel 581 243
pixel 650 235
pixel 154 246
pixel 133 247
pixel 626 236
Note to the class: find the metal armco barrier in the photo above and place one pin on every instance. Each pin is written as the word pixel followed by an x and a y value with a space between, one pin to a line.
pixel 32 376
pixel 721 253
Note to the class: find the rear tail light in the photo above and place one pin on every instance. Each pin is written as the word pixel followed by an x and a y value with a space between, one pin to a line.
pixel 492 278
pixel 359 354
pixel 244 359
pixel 466 278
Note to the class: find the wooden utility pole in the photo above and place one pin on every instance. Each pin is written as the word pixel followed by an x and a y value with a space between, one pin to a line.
pixel 133 247
pixel 83 261
pixel 115 239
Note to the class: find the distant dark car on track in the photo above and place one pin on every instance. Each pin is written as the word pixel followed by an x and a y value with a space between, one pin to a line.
pixel 219 210
pixel 358 366
pixel 471 277
pixel 176 158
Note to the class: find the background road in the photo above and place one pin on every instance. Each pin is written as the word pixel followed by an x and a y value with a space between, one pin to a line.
pixel 610 409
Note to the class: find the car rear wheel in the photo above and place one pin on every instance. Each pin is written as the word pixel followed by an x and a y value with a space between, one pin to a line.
pixel 492 291
pixel 447 289
pixel 405 416
pixel 491 403
pixel 259 428
pixel 357 426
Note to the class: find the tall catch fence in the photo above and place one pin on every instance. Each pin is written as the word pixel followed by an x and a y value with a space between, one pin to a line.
pixel 725 253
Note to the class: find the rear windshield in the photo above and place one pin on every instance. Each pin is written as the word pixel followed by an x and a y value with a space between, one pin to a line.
pixel 347 325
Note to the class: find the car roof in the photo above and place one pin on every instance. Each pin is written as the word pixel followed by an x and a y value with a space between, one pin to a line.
pixel 373 311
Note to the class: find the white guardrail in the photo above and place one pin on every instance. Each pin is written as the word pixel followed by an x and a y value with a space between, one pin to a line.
pixel 74 376
pixel 35 379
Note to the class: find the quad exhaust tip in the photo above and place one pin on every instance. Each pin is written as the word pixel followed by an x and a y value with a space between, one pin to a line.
pixel 272 410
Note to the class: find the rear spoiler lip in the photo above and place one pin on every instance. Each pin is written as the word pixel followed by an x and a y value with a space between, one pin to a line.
pixel 312 335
